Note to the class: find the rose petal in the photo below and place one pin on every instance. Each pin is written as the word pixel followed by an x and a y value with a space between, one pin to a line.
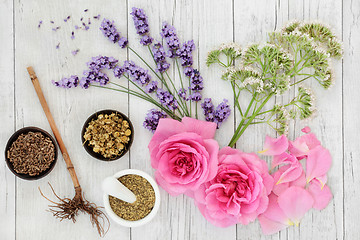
pixel 318 163
pixel 205 129
pixel 275 146
pixel 321 194
pixel 295 202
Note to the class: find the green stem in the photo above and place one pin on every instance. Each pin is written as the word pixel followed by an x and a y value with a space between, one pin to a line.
pixel 242 121
pixel 237 136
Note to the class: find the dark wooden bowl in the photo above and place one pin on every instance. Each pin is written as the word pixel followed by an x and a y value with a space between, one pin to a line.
pixel 89 149
pixel 25 130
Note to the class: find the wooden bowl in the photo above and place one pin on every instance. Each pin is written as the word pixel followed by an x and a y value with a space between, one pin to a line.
pixel 89 149
pixel 15 136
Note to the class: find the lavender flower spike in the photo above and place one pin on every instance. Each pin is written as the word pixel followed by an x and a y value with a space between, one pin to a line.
pixel 152 119
pixel 208 109
pixel 138 74
pixel 109 30
pixel 70 82
pixel 169 33
pixel 140 21
pixel 160 58
pixel 167 99
pixel 185 53
pixel 222 112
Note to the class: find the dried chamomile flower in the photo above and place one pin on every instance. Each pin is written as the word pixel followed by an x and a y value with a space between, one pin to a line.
pixel 109 135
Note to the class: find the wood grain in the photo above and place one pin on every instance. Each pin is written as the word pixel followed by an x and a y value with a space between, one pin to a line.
pixel 209 23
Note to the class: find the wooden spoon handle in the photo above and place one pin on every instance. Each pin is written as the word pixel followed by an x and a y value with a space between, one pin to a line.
pixel 54 129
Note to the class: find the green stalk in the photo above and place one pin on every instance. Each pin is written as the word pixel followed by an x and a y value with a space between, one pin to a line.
pixel 232 143
pixel 242 121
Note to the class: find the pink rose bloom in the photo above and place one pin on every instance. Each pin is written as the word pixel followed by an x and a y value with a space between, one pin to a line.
pixel 239 192
pixel 184 154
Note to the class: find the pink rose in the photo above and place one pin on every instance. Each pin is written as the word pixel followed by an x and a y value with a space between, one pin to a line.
pixel 184 154
pixel 239 192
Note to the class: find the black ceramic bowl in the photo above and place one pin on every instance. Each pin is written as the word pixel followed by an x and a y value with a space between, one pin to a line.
pixel 89 149
pixel 14 137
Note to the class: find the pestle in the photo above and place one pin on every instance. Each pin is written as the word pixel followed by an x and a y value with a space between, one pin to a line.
pixel 115 188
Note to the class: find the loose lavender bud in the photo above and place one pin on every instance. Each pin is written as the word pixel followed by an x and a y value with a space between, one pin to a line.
pixel 138 74
pixel 208 109
pixel 182 93
pixel 70 82
pixel 146 40
pixel 196 96
pixel 167 99
pixel 169 33
pixel 222 112
pixel 75 52
pixel 40 22
pixel 58 46
pixel 140 21
pixel 52 22
pixel 86 10
pixel 123 42
pixel 109 30
pixel 152 119
pixel 72 35
pixel 76 27
pixel 118 71
pixel 185 53
pixel 151 87
pixel 97 17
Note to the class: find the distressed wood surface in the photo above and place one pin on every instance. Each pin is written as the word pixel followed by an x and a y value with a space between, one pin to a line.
pixel 208 23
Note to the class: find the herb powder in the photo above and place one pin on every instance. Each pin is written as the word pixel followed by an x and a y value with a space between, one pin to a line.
pixel 145 198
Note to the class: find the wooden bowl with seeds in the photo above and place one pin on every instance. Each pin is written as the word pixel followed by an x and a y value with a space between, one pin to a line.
pixel 31 153
pixel 107 135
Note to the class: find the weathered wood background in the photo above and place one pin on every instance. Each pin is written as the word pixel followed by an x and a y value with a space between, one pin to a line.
pixel 209 23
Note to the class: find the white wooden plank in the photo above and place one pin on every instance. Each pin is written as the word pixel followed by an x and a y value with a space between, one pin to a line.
pixel 325 224
pixel 7 179
pixel 69 107
pixel 351 105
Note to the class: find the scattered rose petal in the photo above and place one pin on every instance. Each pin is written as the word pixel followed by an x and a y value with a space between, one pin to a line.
pixel 306 129
pixel 295 202
pixel 321 194
pixel 318 163
pixel 275 146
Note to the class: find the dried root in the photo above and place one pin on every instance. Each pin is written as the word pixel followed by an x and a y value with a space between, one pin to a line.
pixel 69 208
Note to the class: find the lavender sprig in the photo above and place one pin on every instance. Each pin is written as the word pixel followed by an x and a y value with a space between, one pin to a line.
pixel 169 33
pixel 152 119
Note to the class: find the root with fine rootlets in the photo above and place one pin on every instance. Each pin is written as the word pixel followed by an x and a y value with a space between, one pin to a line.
pixel 69 208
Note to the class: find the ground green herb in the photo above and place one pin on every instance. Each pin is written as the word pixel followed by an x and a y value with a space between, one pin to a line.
pixel 145 198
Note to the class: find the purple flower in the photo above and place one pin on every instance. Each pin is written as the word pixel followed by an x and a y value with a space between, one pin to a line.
pixel 91 76
pixel 101 62
pixel 167 99
pixel 140 21
pixel 75 52
pixel 138 74
pixel 109 30
pixel 69 82
pixel 208 109
pixel 196 96
pixel 123 42
pixel 182 93
pixel 169 33
pixel 151 87
pixel 160 58
pixel 152 119
pixel 185 53
pixel 146 40
pixel 222 112
pixel 118 71
pixel 188 71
